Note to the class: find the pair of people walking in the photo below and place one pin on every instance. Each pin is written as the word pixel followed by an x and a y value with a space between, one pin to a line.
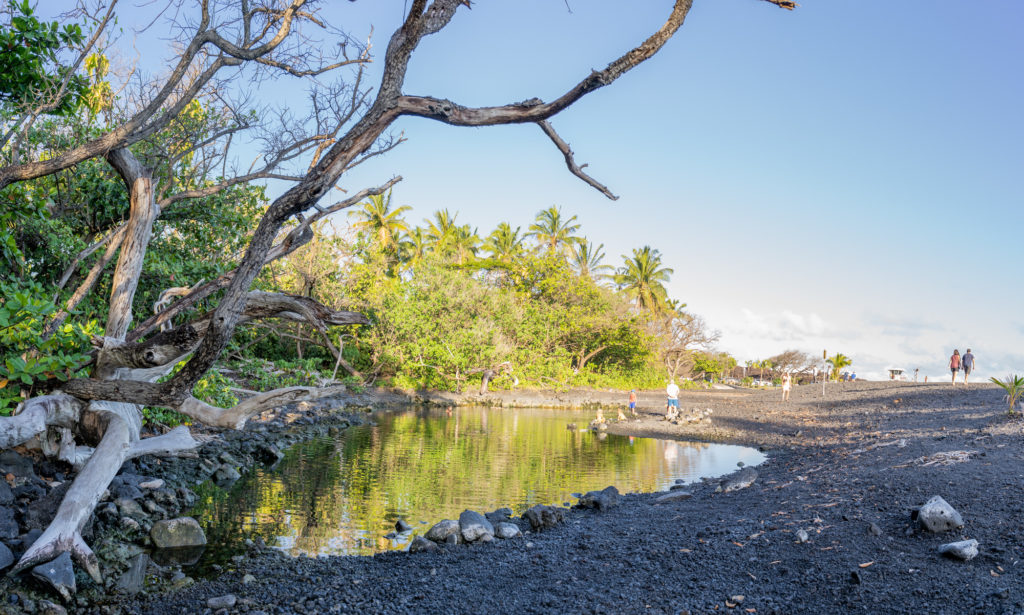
pixel 958 363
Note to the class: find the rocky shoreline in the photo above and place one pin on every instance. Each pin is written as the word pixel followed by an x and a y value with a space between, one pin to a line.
pixel 828 524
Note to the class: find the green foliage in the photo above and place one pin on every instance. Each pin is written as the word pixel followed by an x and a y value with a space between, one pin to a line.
pixel 213 388
pixel 30 67
pixel 28 359
pixel 264 375
pixel 1013 385
pixel 838 362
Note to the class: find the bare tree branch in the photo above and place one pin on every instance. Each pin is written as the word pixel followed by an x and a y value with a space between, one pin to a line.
pixel 571 162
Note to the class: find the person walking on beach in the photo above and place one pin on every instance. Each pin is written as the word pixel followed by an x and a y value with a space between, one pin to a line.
pixel 672 391
pixel 787 384
pixel 954 364
pixel 967 361
pixel 632 401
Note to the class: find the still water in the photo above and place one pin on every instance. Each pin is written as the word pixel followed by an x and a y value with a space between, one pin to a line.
pixel 343 495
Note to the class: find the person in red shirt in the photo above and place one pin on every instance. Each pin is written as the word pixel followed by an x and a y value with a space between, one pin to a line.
pixel 954 364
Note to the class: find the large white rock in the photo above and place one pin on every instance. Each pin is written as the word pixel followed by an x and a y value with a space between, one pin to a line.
pixel 938 516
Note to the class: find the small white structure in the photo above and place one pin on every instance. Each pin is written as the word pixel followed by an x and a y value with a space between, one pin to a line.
pixel 896 373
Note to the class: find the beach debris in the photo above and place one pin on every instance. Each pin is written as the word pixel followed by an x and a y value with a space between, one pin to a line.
pixel 802 536
pixel 944 458
pixel 938 516
pixel 902 442
pixel 963 550
pixel 679 416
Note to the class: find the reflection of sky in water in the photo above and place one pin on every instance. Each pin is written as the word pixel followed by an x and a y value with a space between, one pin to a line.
pixel 342 496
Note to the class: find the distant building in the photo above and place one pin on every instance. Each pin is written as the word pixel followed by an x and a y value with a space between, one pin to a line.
pixel 896 373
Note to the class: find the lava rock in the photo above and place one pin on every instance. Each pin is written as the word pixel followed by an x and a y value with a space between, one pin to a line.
pixel 420 543
pixel 473 526
pixel 874 530
pixel 20 467
pixel 154 483
pixel 125 486
pixel 442 530
pixel 130 508
pixel 938 516
pixel 6 557
pixel 222 602
pixel 507 530
pixel 45 607
pixel 601 500
pixel 402 526
pixel 42 511
pixel 58 575
pixel 225 476
pixel 6 497
pixel 741 480
pixel 180 532
pixel 8 526
pixel 500 515
pixel 130 582
pixel 543 517
pixel 963 550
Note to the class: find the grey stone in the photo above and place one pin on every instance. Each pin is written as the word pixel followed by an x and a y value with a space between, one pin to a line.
pixel 402 526
pixel 6 557
pixel 419 543
pixel 42 511
pixel 130 582
pixel 6 497
pixel 125 487
pixel 502 514
pixel 802 536
pixel 222 602
pixel 453 539
pixel 248 579
pixel 938 516
pixel 963 550
pixel 543 517
pixel 45 607
pixel 874 530
pixel 8 526
pixel 164 497
pixel 154 483
pixel 442 530
pixel 601 500
pixel 673 496
pixel 507 530
pixel 130 508
pixel 473 526
pixel 29 538
pixel 58 575
pixel 226 476
pixel 741 480
pixel 13 463
pixel 180 532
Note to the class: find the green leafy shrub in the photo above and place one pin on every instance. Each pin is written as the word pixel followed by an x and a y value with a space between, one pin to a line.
pixel 27 358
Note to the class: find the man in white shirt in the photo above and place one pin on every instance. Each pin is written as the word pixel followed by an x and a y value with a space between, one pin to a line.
pixel 672 391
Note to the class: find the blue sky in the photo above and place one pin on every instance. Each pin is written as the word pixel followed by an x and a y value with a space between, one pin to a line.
pixel 848 176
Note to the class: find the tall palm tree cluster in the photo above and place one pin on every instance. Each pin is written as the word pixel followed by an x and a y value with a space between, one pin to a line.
pixel 642 276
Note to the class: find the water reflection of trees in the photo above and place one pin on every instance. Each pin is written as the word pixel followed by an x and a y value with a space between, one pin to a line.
pixel 341 496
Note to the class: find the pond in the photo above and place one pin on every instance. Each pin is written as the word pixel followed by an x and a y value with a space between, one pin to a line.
pixel 343 495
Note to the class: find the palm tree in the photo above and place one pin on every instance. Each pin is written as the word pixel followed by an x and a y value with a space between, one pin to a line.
pixel 641 278
pixel 553 233
pixel 441 230
pixel 504 244
pixel 586 259
pixel 838 362
pixel 464 244
pixel 381 221
pixel 414 246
